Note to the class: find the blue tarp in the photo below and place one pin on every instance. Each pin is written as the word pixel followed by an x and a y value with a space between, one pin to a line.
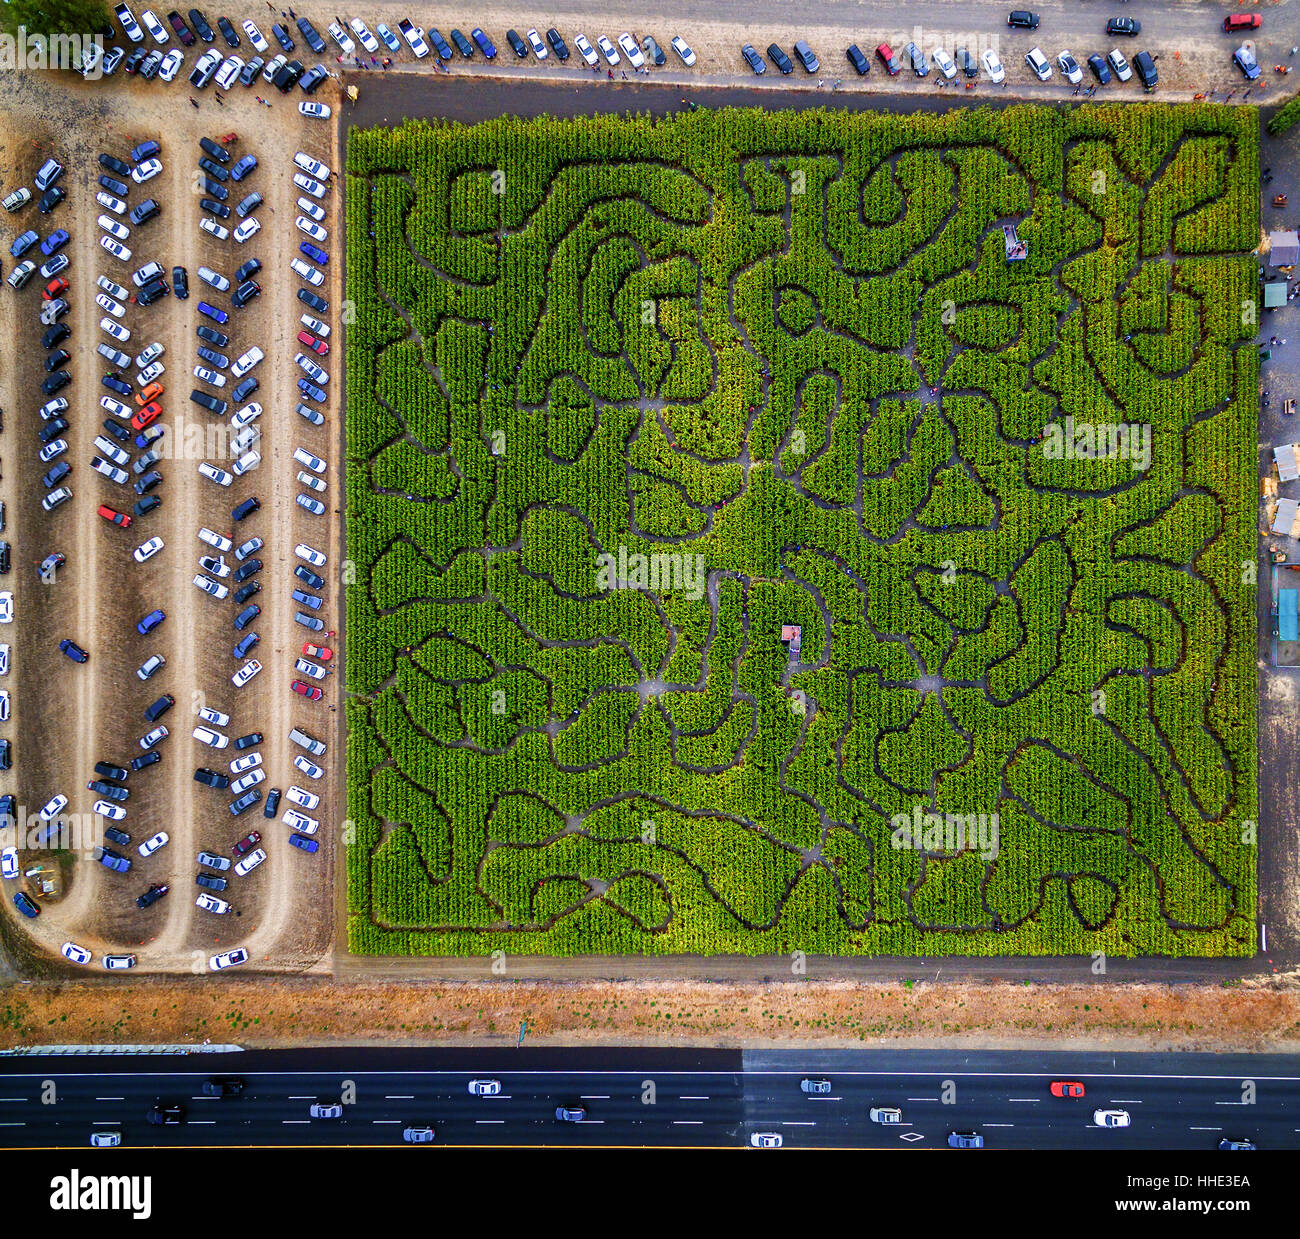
pixel 1288 621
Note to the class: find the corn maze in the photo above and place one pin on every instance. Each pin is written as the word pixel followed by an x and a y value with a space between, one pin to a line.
pixel 804 532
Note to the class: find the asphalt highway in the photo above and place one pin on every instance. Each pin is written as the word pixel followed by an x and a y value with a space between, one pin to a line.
pixel 652 1097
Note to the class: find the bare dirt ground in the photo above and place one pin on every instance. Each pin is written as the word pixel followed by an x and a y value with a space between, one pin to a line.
pixel 280 1013
pixel 67 717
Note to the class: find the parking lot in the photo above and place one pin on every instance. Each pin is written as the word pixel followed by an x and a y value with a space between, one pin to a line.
pixel 65 716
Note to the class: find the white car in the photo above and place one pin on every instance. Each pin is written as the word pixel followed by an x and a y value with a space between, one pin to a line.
pixel 111 472
pixel 209 586
pixel 313 462
pixel 301 796
pixel 1069 68
pixel 210 903
pixel 630 50
pixel 309 768
pixel 250 227
pixel 228 959
pixel 151 738
pixel 314 324
pixel 105 302
pixel 4 658
pixel 213 474
pixel 249 780
pixel 213 279
pixel 112 288
pixel 248 414
pixel 305 271
pixel 249 460
pixel 389 38
pixel 885 1114
pixel 116 330
pixel 113 227
pixel 993 66
pixel 945 63
pixel 215 717
pixel 212 228
pixel 52 451
pixel 535 42
pixel 112 451
pixel 1039 64
pixel 312 167
pixel 9 862
pixel 607 50
pixel 129 25
pixel 53 807
pixel 274 65
pixel 300 822
pixel 312 482
pixel 150 354
pixel 313 230
pixel 147 550
pixel 314 506
pixel 246 673
pixel 310 554
pixel 364 37
pixel 106 808
pixel 1119 66
pixel 1111 1118
pixel 250 862
pixel 683 50
pixel 309 184
pixel 246 362
pixel 155 28
pixel 255 36
pixel 249 762
pixel 229 72
pixel 114 963
pixel 149 169
pixel 414 37
pixel 216 540
pixel 150 372
pixel 110 203
pixel 309 107
pixel 312 210
pixel 171 65
pixel 586 51
pixel 311 369
pixel 115 407
pixel 151 845
pixel 151 666
pixel 116 248
pixel 311 670
pixel 77 954
pixel 213 739
pixel 4 711
pixel 340 36
pixel 485 1088
pixel 766 1140
pixel 209 376
pixel 6 607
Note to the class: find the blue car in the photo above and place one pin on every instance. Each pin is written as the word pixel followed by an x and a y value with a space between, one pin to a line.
pixel 112 860
pixel 440 44
pixel 216 315
pixel 484 43
pixel 150 622
pixel 311 391
pixel 25 905
pixel 113 383
pixel 245 644
pixel 316 255
pixel 243 167
pixel 24 243
pixel 54 242
pixel 73 650
pixel 146 150
pixel 305 842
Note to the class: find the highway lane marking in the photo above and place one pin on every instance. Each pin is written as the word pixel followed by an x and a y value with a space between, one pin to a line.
pixel 688 1122
pixel 692 1097
pixel 594 1097
pixel 483 1122
pixel 303 1121
pixel 1205 1129
pixel 920 1099
pixel 1135 1101
pixel 203 1122
pixel 13 1124
pixel 997 1124
pixel 110 1098
pixel 399 1096
pixel 798 1123
pixel 393 1121
pixel 825 1098
pixel 24 1098
pixel 106 1122
pixel 305 1097
pixel 1231 1103
pixel 1033 1099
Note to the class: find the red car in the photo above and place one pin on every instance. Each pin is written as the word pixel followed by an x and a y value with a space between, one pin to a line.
pixel 323 652
pixel 56 288
pixel 1066 1088
pixel 116 518
pixel 1242 21
pixel 150 412
pixel 316 346
pixel 247 843
pixel 310 691
pixel 887 58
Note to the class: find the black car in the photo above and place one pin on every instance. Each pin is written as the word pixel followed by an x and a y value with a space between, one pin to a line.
pixel 56 383
pixel 557 44
pixel 245 802
pixel 56 359
pixel 146 759
pixel 250 567
pixel 219 209
pixel 309 32
pixel 153 291
pixel 183 32
pixel 309 82
pixel 111 791
pixel 1145 65
pixel 215 149
pixel 52 430
pixel 463 45
pixel 304 573
pixel 120 837
pixel 517 45
pixel 250 268
pixel 282 37
pixel 214 169
pixel 181 282
pixel 118 431
pixel 319 304
pixel 247 508
pixel 779 58
pixel 160 707
pixel 150 897
pixel 114 186
pixel 967 62
pixel 208 882
pixel 200 24
pixel 166 1116
pixel 1124 25
pixel 247 616
pixel 147 505
pixel 249 741
pixel 227 32
pixel 242 390
pixel 211 778
pixel 654 51
pixel 272 802
pixel 858 60
pixel 214 189
pixel 147 210
pixel 227 1086
pixel 1101 71
pixel 148 482
pixel 285 78
pixel 109 771
pixel 245 592
pixel 135 60
pixel 211 403
pixel 56 335
pixel 56 194
pixel 212 336
pixel 753 59
pixel 1023 18
pixel 56 475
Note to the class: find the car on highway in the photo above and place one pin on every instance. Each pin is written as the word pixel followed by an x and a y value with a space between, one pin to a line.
pixel 166 1116
pixel 887 1115
pixel 485 1088
pixel 1111 1118
pixel 965 1140
pixel 570 1114
pixel 814 1087
pixel 417 1135
pixel 765 1140
pixel 326 1110
pixel 1066 1088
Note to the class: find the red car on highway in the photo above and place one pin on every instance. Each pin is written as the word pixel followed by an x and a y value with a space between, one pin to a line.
pixel 116 518
pixel 310 691
pixel 1066 1088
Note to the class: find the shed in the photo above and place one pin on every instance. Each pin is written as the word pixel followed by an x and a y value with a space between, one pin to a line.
pixel 1284 248
pixel 1285 459
pixel 1286 514
pixel 1288 615
pixel 1017 250
pixel 1274 294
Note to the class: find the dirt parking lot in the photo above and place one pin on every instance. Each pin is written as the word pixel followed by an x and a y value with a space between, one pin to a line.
pixel 67 717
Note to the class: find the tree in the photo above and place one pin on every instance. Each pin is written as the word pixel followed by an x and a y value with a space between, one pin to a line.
pixel 56 31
